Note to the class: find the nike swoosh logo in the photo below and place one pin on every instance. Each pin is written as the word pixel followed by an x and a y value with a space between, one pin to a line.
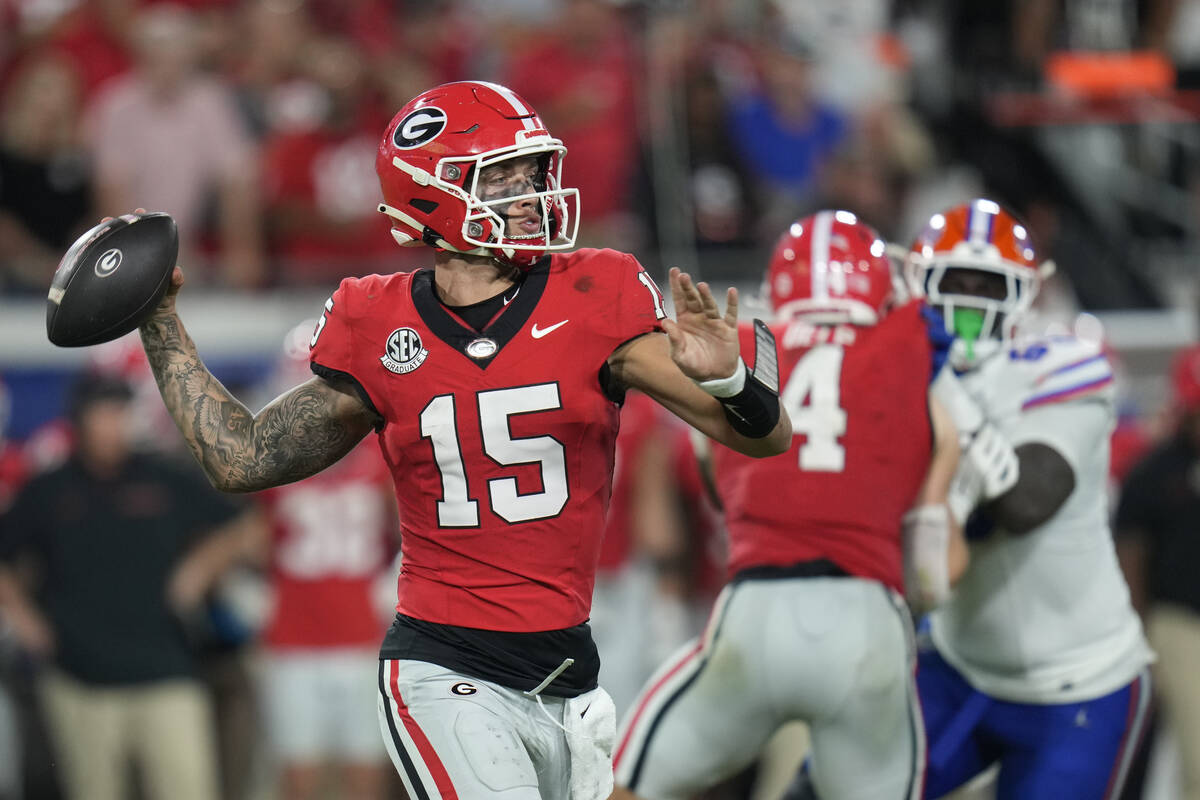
pixel 540 332
pixel 585 710
pixel 508 300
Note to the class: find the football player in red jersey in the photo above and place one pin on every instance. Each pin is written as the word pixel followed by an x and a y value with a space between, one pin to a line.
pixel 811 625
pixel 493 381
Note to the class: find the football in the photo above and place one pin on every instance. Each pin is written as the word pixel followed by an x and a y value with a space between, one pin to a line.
pixel 111 279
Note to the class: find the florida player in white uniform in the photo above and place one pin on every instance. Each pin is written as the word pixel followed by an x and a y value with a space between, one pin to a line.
pixel 493 380
pixel 1038 659
pixel 812 625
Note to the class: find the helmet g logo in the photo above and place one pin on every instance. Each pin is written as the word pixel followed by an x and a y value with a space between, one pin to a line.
pixel 419 127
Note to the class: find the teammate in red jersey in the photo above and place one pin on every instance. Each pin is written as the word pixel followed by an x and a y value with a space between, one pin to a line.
pixel 493 380
pixel 638 612
pixel 811 625
pixel 327 545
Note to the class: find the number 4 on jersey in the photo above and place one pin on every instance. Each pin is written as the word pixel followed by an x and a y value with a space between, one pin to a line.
pixel 812 398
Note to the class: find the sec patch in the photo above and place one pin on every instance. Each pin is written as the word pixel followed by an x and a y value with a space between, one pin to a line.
pixel 403 351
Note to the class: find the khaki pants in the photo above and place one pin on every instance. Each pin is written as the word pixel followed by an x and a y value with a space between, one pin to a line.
pixel 165 727
pixel 1174 633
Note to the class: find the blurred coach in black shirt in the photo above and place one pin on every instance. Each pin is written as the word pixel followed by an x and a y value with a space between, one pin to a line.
pixel 100 561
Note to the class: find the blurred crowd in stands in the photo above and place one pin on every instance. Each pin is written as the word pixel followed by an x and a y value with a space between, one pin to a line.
pixel 696 132
pixel 695 129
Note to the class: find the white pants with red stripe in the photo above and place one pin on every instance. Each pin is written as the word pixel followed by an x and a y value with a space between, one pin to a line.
pixel 836 653
pixel 453 736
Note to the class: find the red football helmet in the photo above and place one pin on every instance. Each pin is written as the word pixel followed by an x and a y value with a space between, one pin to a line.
pixel 429 167
pixel 981 236
pixel 830 268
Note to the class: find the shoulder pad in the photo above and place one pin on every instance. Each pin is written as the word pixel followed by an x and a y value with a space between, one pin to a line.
pixel 602 257
pixel 1063 368
pixel 355 294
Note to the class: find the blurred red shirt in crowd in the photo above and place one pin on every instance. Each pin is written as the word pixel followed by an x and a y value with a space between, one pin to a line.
pixel 580 77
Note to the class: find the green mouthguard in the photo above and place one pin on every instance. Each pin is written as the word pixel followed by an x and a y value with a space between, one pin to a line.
pixel 968 324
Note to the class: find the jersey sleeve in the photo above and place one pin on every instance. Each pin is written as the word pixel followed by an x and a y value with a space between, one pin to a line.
pixel 1077 431
pixel 330 346
pixel 1066 370
pixel 640 307
pixel 331 349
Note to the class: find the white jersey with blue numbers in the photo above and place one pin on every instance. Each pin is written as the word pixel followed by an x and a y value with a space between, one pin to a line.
pixel 1045 617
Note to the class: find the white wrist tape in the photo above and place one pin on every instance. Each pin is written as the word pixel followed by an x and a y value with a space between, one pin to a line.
pixel 726 387
pixel 926 569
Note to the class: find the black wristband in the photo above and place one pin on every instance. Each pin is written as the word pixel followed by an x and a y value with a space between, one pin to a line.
pixel 754 411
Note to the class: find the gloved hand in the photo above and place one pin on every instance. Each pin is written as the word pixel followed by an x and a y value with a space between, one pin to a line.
pixel 987 469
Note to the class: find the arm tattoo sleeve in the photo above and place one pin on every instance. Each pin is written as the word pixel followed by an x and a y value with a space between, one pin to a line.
pixel 297 435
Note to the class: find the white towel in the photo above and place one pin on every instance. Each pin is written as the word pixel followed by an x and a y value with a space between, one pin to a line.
pixel 590 721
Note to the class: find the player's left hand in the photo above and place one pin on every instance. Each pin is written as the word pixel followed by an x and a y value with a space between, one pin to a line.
pixel 704 342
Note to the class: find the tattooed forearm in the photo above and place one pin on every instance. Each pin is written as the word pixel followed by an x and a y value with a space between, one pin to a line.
pixel 298 434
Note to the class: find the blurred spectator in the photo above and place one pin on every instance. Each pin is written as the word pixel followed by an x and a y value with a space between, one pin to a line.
pixel 273 36
pixel 328 544
pixel 1158 525
pixel 90 34
pixel 123 546
pixel 436 41
pixel 853 52
pixel 366 25
pixel 579 74
pixel 864 178
pixel 722 197
pixel 168 138
pixel 783 132
pixel 44 178
pixel 321 192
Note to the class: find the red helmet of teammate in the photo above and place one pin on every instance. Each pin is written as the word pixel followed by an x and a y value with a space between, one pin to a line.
pixel 429 166
pixel 830 268
pixel 979 235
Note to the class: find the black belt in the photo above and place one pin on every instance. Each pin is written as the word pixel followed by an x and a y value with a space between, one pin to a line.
pixel 818 568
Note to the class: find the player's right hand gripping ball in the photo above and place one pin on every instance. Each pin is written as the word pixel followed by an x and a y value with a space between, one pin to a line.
pixel 111 279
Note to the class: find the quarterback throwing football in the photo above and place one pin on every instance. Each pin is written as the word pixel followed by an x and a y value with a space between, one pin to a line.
pixel 493 381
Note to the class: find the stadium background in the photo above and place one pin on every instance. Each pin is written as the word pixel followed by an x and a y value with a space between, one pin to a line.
pixel 696 131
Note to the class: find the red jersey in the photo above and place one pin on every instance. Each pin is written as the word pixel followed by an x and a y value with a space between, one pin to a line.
pixel 861 446
pixel 330 539
pixel 500 443
pixel 708 544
